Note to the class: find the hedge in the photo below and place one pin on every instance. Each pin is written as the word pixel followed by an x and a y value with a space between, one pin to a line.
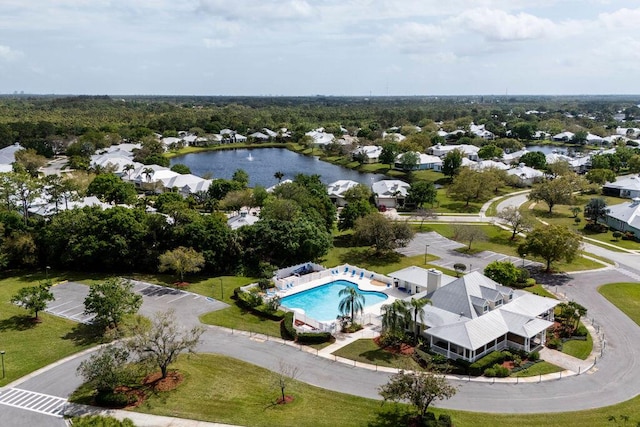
pixel 286 327
pixel 313 337
pixel 478 367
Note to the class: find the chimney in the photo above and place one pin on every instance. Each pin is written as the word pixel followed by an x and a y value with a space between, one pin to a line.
pixel 434 280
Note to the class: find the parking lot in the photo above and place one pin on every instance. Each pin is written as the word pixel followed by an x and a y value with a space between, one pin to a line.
pixel 435 244
pixel 70 296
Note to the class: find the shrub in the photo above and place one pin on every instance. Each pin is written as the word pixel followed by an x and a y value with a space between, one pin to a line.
pixel 496 371
pixel 236 292
pixel 581 331
pixel 110 399
pixel 517 361
pixel 287 330
pixel 577 220
pixel 617 235
pixel 444 420
pixel 249 299
pixel 265 284
pixel 478 367
pixel 555 343
pixel 391 339
pixel 508 356
pixel 313 337
pixel 534 356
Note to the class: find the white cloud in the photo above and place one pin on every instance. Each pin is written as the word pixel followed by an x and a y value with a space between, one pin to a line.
pixel 8 54
pixel 413 36
pixel 499 25
pixel 620 19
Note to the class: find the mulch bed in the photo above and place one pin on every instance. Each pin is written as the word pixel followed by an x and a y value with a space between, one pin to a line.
pixel 287 399
pixel 152 382
pixel 402 349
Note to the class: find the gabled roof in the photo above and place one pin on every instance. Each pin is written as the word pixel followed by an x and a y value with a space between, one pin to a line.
pixel 525 172
pixel 241 220
pixel 418 276
pixel 487 164
pixel 460 296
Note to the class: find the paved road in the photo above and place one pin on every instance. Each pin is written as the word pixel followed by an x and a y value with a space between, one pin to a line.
pixel 615 378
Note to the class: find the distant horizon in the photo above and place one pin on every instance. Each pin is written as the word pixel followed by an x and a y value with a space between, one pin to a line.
pixel 533 95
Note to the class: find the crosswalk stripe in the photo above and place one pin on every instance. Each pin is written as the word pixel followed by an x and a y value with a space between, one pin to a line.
pixel 33 401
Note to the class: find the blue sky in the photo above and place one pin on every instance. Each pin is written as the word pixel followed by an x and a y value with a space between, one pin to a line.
pixel 330 47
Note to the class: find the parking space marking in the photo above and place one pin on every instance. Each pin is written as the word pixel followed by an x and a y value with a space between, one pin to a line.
pixel 176 299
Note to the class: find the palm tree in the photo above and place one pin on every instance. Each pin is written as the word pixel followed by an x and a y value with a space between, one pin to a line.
pixel 278 175
pixel 127 169
pixel 417 305
pixel 353 302
pixel 395 317
pixel 148 173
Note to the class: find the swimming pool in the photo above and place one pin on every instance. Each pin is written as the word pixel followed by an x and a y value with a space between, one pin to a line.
pixel 321 303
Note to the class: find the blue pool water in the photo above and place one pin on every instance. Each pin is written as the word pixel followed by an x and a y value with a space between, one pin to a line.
pixel 321 303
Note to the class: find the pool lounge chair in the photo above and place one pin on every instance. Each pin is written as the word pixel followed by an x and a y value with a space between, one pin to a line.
pixel 353 273
pixel 361 275
pixel 346 270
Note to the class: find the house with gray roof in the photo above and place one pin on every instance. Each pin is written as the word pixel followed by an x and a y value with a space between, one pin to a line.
pixel 337 189
pixel 625 187
pixel 390 192
pixel 625 217
pixel 473 315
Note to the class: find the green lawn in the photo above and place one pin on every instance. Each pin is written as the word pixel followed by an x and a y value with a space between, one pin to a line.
pixel 562 215
pixel 29 346
pixel 577 348
pixel 236 318
pixel 539 290
pixel 367 351
pixel 625 296
pixel 540 368
pixel 225 390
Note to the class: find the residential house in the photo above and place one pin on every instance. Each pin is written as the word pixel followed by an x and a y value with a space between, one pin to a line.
pixel 488 164
pixel 480 131
pixel 186 184
pixel 259 136
pixel 425 162
pixel 564 136
pixel 368 153
pixel 526 175
pixel 320 137
pixel 625 186
pixel 394 136
pixel 473 315
pixel 241 220
pixel 337 189
pixel 511 158
pixel 625 217
pixel 390 193
pixel 470 151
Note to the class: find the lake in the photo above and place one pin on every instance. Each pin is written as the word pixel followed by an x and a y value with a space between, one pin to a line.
pixel 262 163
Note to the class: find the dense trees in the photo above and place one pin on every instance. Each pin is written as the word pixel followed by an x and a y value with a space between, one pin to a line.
pixel 534 159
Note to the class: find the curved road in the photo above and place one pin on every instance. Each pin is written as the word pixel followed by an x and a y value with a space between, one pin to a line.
pixel 615 378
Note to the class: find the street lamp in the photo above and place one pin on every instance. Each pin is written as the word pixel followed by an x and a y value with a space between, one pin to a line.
pixel 2 354
pixel 426 250
pixel 523 257
pixel 221 289
pixel 46 272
